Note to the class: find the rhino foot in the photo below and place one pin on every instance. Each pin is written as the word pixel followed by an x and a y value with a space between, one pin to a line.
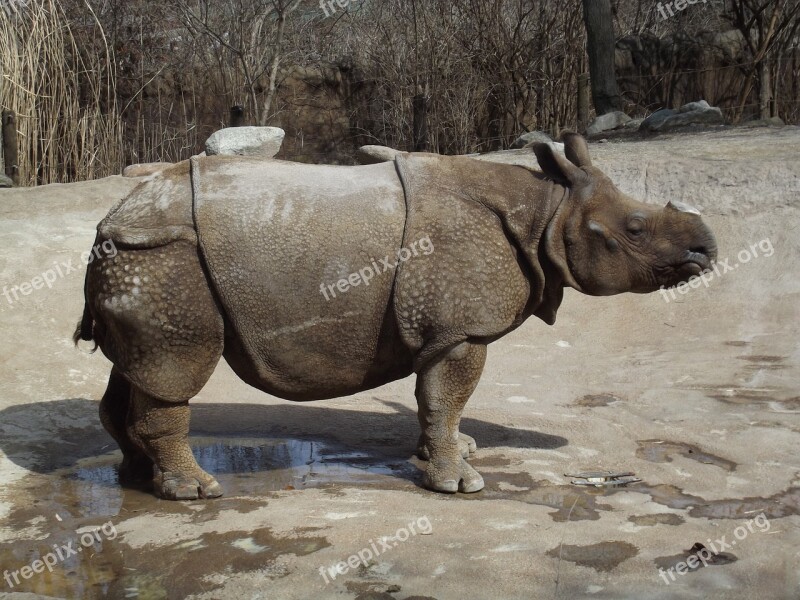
pixel 463 478
pixel 466 447
pixel 469 442
pixel 178 486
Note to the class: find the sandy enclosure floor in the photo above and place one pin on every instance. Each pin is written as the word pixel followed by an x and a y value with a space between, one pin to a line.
pixel 697 394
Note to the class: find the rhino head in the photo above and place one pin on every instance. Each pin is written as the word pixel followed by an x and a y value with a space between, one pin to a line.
pixel 604 242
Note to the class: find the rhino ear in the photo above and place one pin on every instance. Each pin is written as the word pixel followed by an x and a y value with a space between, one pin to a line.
pixel 556 167
pixel 576 149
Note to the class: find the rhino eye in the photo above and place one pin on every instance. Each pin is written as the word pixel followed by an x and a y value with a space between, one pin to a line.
pixel 636 227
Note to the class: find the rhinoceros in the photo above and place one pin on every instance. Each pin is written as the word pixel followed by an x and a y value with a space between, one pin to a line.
pixel 321 281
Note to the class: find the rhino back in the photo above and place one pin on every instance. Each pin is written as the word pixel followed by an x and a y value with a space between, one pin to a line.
pixel 277 238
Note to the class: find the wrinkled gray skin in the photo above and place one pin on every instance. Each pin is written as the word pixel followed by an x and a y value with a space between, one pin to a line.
pixel 507 241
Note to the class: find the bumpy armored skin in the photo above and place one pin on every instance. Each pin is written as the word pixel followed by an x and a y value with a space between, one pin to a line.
pixel 315 282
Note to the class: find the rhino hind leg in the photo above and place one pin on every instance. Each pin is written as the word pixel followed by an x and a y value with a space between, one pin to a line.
pixel 443 389
pixel 136 466
pixel 157 320
pixel 161 429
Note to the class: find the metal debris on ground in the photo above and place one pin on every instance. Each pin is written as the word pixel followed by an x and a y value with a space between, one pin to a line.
pixel 603 479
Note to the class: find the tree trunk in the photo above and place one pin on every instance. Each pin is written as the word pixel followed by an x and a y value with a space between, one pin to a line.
pixel 600 47
pixel 273 72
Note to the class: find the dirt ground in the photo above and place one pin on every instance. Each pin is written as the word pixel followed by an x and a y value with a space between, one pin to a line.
pixel 696 394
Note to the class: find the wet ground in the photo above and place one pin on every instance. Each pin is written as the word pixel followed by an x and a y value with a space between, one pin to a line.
pixel 698 396
pixel 87 495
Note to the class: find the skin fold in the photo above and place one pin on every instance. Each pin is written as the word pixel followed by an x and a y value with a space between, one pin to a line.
pixel 227 257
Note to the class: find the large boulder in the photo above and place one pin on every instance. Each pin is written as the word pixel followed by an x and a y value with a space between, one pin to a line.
pixel 607 122
pixel 693 113
pixel 657 119
pixel 530 138
pixel 5 181
pixel 700 105
pixel 264 142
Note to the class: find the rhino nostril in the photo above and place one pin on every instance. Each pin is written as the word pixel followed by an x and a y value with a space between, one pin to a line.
pixel 707 249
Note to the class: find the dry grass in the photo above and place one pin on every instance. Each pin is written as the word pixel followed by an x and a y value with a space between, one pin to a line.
pixel 63 93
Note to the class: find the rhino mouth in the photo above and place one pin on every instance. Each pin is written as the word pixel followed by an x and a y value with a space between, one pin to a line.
pixel 698 261
pixel 694 264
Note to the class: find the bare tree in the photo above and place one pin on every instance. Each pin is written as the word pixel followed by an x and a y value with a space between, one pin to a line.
pixel 251 34
pixel 765 25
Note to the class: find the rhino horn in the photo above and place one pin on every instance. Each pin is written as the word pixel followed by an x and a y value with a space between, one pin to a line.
pixel 685 208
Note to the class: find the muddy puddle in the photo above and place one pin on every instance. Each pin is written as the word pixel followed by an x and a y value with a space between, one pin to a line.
pixel 572 503
pixel 78 506
pixel 597 400
pixel 602 557
pixel 662 451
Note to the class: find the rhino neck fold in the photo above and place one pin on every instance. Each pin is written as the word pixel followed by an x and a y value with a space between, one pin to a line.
pixel 554 249
pixel 527 204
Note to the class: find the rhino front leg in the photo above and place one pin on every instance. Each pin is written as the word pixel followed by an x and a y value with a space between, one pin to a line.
pixel 466 445
pixel 443 389
pixel 161 429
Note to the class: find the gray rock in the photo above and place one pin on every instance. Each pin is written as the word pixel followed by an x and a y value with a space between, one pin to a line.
pixel 145 169
pixel 530 138
pixel 654 121
pixel 370 155
pixel 264 142
pixel 633 124
pixel 705 116
pixel 5 181
pixel 771 122
pixel 607 122
pixel 693 106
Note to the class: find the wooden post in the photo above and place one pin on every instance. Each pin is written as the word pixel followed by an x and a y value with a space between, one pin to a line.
pixel 10 150
pixel 237 116
pixel 583 102
pixel 765 91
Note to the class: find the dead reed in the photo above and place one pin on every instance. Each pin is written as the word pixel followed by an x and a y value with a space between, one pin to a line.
pixel 63 92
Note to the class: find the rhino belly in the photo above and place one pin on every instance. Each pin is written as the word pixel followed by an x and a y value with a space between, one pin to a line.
pixel 294 253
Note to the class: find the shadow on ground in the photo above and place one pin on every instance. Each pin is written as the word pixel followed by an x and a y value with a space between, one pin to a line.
pixel 46 436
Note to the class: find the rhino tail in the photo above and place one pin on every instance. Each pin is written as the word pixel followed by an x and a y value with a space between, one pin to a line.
pixel 85 329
